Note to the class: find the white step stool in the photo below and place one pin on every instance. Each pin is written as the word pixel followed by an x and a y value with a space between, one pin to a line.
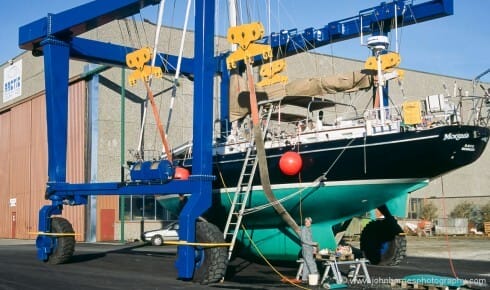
pixel 332 265
pixel 300 268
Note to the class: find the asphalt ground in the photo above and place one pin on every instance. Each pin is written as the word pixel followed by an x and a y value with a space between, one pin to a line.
pixel 140 266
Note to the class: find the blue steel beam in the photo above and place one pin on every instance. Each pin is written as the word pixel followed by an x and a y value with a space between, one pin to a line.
pixel 289 42
pixel 56 64
pixel 122 188
pixel 55 37
pixel 202 155
pixel 78 20
pixel 284 43
pixel 115 55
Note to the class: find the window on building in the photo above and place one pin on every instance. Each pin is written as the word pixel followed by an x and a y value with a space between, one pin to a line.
pixel 138 207
pixel 415 208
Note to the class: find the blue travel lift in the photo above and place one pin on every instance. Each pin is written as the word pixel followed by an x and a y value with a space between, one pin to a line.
pixel 55 37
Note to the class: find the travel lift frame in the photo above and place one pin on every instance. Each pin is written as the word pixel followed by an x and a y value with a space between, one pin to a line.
pixel 55 37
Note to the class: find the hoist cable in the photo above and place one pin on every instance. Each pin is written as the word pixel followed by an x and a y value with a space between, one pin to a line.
pixel 157 32
pixel 179 63
pixel 153 60
pixel 137 31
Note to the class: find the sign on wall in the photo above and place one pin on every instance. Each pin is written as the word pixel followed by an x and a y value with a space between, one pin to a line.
pixel 12 81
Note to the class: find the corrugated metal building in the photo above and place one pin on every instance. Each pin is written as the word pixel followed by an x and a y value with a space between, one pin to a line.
pixel 104 127
pixel 24 171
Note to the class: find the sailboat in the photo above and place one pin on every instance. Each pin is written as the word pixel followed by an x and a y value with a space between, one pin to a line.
pixel 328 165
pixel 337 167
pixel 317 160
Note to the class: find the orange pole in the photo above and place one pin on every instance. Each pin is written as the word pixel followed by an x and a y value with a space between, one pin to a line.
pixel 159 122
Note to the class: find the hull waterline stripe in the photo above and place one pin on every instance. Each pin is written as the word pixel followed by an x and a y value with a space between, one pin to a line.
pixel 333 183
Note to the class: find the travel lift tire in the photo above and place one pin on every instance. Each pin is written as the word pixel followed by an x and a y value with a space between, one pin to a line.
pixel 381 243
pixel 64 246
pixel 211 262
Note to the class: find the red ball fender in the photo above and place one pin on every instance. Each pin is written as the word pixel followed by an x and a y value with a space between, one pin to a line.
pixel 181 173
pixel 290 163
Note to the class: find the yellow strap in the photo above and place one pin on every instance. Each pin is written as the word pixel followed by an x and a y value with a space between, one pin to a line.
pixel 54 234
pixel 185 243
pixel 163 136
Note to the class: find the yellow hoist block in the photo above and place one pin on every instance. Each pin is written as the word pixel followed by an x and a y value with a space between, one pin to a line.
pixel 394 74
pixel 144 74
pixel 136 60
pixel 244 36
pixel 412 112
pixel 389 60
pixel 269 73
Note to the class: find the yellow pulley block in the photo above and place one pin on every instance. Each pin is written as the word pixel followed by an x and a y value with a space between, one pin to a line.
pixel 269 73
pixel 270 69
pixel 144 74
pixel 393 74
pixel 389 60
pixel 136 60
pixel 244 36
pixel 400 73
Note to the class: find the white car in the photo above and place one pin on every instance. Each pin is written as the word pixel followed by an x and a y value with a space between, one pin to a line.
pixel 169 233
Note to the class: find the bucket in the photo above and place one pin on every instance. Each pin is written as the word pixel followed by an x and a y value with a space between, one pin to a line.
pixel 313 279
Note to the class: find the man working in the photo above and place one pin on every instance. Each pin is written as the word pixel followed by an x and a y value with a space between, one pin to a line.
pixel 308 250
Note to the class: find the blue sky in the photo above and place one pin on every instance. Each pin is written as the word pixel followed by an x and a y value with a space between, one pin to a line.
pixel 457 45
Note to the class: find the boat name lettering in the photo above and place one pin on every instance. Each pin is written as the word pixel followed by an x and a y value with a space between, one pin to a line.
pixel 458 136
pixel 468 147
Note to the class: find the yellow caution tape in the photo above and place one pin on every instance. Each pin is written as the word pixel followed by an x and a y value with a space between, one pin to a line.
pixel 185 243
pixel 54 234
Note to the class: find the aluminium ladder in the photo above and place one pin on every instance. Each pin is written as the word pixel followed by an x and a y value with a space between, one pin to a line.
pixel 244 187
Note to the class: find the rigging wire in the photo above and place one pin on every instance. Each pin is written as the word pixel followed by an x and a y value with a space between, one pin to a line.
pixel 130 36
pixel 249 11
pixel 396 28
pixel 240 10
pixel 179 63
pixel 145 109
pixel 135 26
pixel 153 61
pixel 132 40
pixel 123 34
pixel 142 23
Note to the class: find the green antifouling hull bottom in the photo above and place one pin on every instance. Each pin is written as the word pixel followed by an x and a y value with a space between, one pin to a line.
pixel 328 203
pixel 281 244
